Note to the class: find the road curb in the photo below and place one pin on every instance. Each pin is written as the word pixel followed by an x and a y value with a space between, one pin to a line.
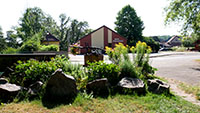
pixel 165 55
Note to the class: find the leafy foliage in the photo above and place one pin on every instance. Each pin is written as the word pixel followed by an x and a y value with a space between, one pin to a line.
pixel 31 45
pixel 186 11
pixel 136 67
pixel 26 73
pixel 100 69
pixel 49 48
pixel 153 44
pixel 129 25
pixel 187 42
pixel 2 41
pixel 10 50
pixel 70 34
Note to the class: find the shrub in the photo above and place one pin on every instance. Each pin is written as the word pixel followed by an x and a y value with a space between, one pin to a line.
pixel 117 54
pixel 32 44
pixel 31 71
pixel 100 69
pixel 137 66
pixel 49 48
pixel 26 73
pixel 152 43
pixel 187 42
pixel 10 50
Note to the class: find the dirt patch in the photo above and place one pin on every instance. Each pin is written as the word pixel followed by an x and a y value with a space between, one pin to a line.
pixel 189 97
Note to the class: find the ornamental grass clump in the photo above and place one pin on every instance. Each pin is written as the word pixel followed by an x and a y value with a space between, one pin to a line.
pixel 138 66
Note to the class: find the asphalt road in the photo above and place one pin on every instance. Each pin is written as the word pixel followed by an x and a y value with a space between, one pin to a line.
pixel 182 67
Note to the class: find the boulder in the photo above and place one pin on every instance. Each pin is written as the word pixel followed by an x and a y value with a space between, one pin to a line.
pixel 35 88
pixel 157 86
pixel 61 85
pixel 134 84
pixel 99 87
pixel 9 91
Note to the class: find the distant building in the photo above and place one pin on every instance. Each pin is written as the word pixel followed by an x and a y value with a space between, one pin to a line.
pixel 101 38
pixel 174 41
pixel 50 39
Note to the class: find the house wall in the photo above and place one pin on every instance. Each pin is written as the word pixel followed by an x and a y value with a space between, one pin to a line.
pixel 86 41
pixel 97 38
pixel 101 38
pixel 109 36
pixel 116 38
pixel 50 43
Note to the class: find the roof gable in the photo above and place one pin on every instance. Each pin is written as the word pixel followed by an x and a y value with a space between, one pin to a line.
pixel 49 37
pixel 99 29
pixel 173 38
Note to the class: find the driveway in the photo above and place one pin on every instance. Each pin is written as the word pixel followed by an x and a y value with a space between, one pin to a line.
pixel 182 67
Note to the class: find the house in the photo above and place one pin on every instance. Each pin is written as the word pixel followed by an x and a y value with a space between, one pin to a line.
pixel 101 38
pixel 174 41
pixel 50 39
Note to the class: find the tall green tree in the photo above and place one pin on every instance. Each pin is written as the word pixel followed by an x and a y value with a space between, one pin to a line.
pixel 34 21
pixel 11 39
pixel 129 25
pixel 31 23
pixel 186 12
pixel 70 31
pixel 64 31
pixel 2 41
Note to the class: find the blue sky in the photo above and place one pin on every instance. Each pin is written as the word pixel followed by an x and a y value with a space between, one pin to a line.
pixel 95 12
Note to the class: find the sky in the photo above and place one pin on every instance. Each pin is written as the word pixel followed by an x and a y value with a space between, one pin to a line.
pixel 95 12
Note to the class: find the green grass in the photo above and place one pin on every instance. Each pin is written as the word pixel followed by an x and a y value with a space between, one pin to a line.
pixel 195 90
pixel 112 104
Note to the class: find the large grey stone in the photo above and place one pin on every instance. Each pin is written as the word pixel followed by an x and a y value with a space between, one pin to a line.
pixel 9 91
pixel 61 85
pixel 99 87
pixel 134 84
pixel 158 86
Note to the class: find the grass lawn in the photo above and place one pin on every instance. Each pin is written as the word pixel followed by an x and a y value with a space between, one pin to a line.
pixel 112 104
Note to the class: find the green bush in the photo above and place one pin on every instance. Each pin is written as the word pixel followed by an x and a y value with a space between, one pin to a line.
pixel 31 71
pixel 49 48
pixel 100 69
pixel 10 50
pixel 33 44
pixel 26 73
pixel 128 69
pixel 138 66
pixel 152 43
pixel 187 42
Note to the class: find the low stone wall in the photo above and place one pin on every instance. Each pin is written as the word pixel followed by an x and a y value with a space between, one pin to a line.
pixel 7 60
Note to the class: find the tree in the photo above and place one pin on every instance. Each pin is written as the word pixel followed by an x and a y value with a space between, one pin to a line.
pixel 186 11
pixel 71 31
pixel 11 39
pixel 129 25
pixel 2 41
pixel 64 32
pixel 31 23
pixel 34 21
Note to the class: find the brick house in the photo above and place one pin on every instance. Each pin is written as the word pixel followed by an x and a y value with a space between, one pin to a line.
pixel 101 38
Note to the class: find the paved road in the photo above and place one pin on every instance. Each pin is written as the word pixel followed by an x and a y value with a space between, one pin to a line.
pixel 182 67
